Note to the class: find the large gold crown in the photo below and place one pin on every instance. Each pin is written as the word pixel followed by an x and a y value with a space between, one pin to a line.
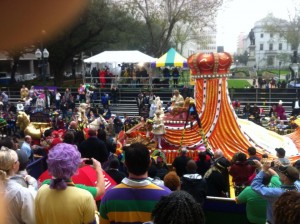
pixel 210 65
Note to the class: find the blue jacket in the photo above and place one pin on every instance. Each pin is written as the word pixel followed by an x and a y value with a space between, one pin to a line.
pixel 270 194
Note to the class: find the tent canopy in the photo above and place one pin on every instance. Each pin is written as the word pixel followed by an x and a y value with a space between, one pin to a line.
pixel 171 58
pixel 120 57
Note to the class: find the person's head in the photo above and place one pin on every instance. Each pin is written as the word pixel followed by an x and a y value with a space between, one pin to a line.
pixel 218 153
pixel 8 142
pixel 202 156
pixel 251 151
pixel 114 163
pixel 73 125
pixel 222 163
pixel 183 151
pixel 9 163
pixel 63 161
pixel 28 139
pixel 48 132
pixel 69 137
pixel 235 157
pixel 92 132
pixel 101 134
pixel 137 158
pixel 152 171
pixel 177 208
pixel 176 92
pixel 265 156
pixel 288 174
pixel 267 178
pixel 241 157
pixel 23 160
pixel 191 167
pixel 172 181
pixel 280 152
pixel 16 140
pixel 286 208
pixel 297 165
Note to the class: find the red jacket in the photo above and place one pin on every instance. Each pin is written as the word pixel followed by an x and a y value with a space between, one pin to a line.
pixel 241 173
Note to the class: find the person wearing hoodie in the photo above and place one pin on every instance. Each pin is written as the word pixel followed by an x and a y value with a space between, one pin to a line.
pixel 241 171
pixel 193 183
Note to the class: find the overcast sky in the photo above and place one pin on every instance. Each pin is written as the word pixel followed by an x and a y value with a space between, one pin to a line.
pixel 240 15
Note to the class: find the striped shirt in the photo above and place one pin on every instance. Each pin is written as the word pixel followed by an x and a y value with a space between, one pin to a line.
pixel 131 201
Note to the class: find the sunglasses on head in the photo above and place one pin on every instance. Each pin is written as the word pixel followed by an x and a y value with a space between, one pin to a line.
pixel 283 170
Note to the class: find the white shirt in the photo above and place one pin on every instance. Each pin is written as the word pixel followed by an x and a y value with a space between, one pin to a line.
pixel 57 96
pixel 20 204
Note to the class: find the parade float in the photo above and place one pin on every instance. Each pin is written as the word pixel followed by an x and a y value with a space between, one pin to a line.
pixel 214 123
pixel 209 122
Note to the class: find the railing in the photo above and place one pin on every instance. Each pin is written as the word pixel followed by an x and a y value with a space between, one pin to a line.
pixel 140 82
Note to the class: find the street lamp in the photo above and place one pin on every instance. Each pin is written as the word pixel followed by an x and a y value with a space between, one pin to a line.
pixel 279 71
pixel 42 57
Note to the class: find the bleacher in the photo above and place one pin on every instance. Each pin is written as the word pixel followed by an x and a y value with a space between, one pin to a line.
pixel 127 97
pixel 264 98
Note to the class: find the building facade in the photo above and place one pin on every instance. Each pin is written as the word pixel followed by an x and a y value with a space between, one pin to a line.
pixel 271 49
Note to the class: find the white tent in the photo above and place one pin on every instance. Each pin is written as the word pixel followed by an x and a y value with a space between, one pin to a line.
pixel 120 57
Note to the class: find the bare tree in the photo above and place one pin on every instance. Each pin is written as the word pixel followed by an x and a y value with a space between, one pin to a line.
pixel 181 35
pixel 161 17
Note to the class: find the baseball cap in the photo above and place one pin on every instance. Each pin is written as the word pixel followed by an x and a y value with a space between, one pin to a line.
pixel 297 164
pixel 280 151
pixel 222 162
pixel 289 171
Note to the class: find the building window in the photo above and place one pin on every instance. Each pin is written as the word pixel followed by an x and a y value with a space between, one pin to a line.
pixel 262 35
pixel 270 61
pixel 261 47
pixel 280 46
pixel 281 35
pixel 271 35
pixel 270 47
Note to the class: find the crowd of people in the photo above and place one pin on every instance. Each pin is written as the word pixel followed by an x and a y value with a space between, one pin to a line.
pixel 147 191
pixel 145 183
pixel 268 83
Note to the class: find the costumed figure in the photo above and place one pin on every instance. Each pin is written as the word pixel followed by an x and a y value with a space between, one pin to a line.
pixel 152 110
pixel 158 128
pixel 178 105
pixel 24 92
pixel 82 121
pixel 57 121
pixel 159 106
pixel 148 127
pixel 91 116
pixel 39 104
pixel 177 99
pixel 98 123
